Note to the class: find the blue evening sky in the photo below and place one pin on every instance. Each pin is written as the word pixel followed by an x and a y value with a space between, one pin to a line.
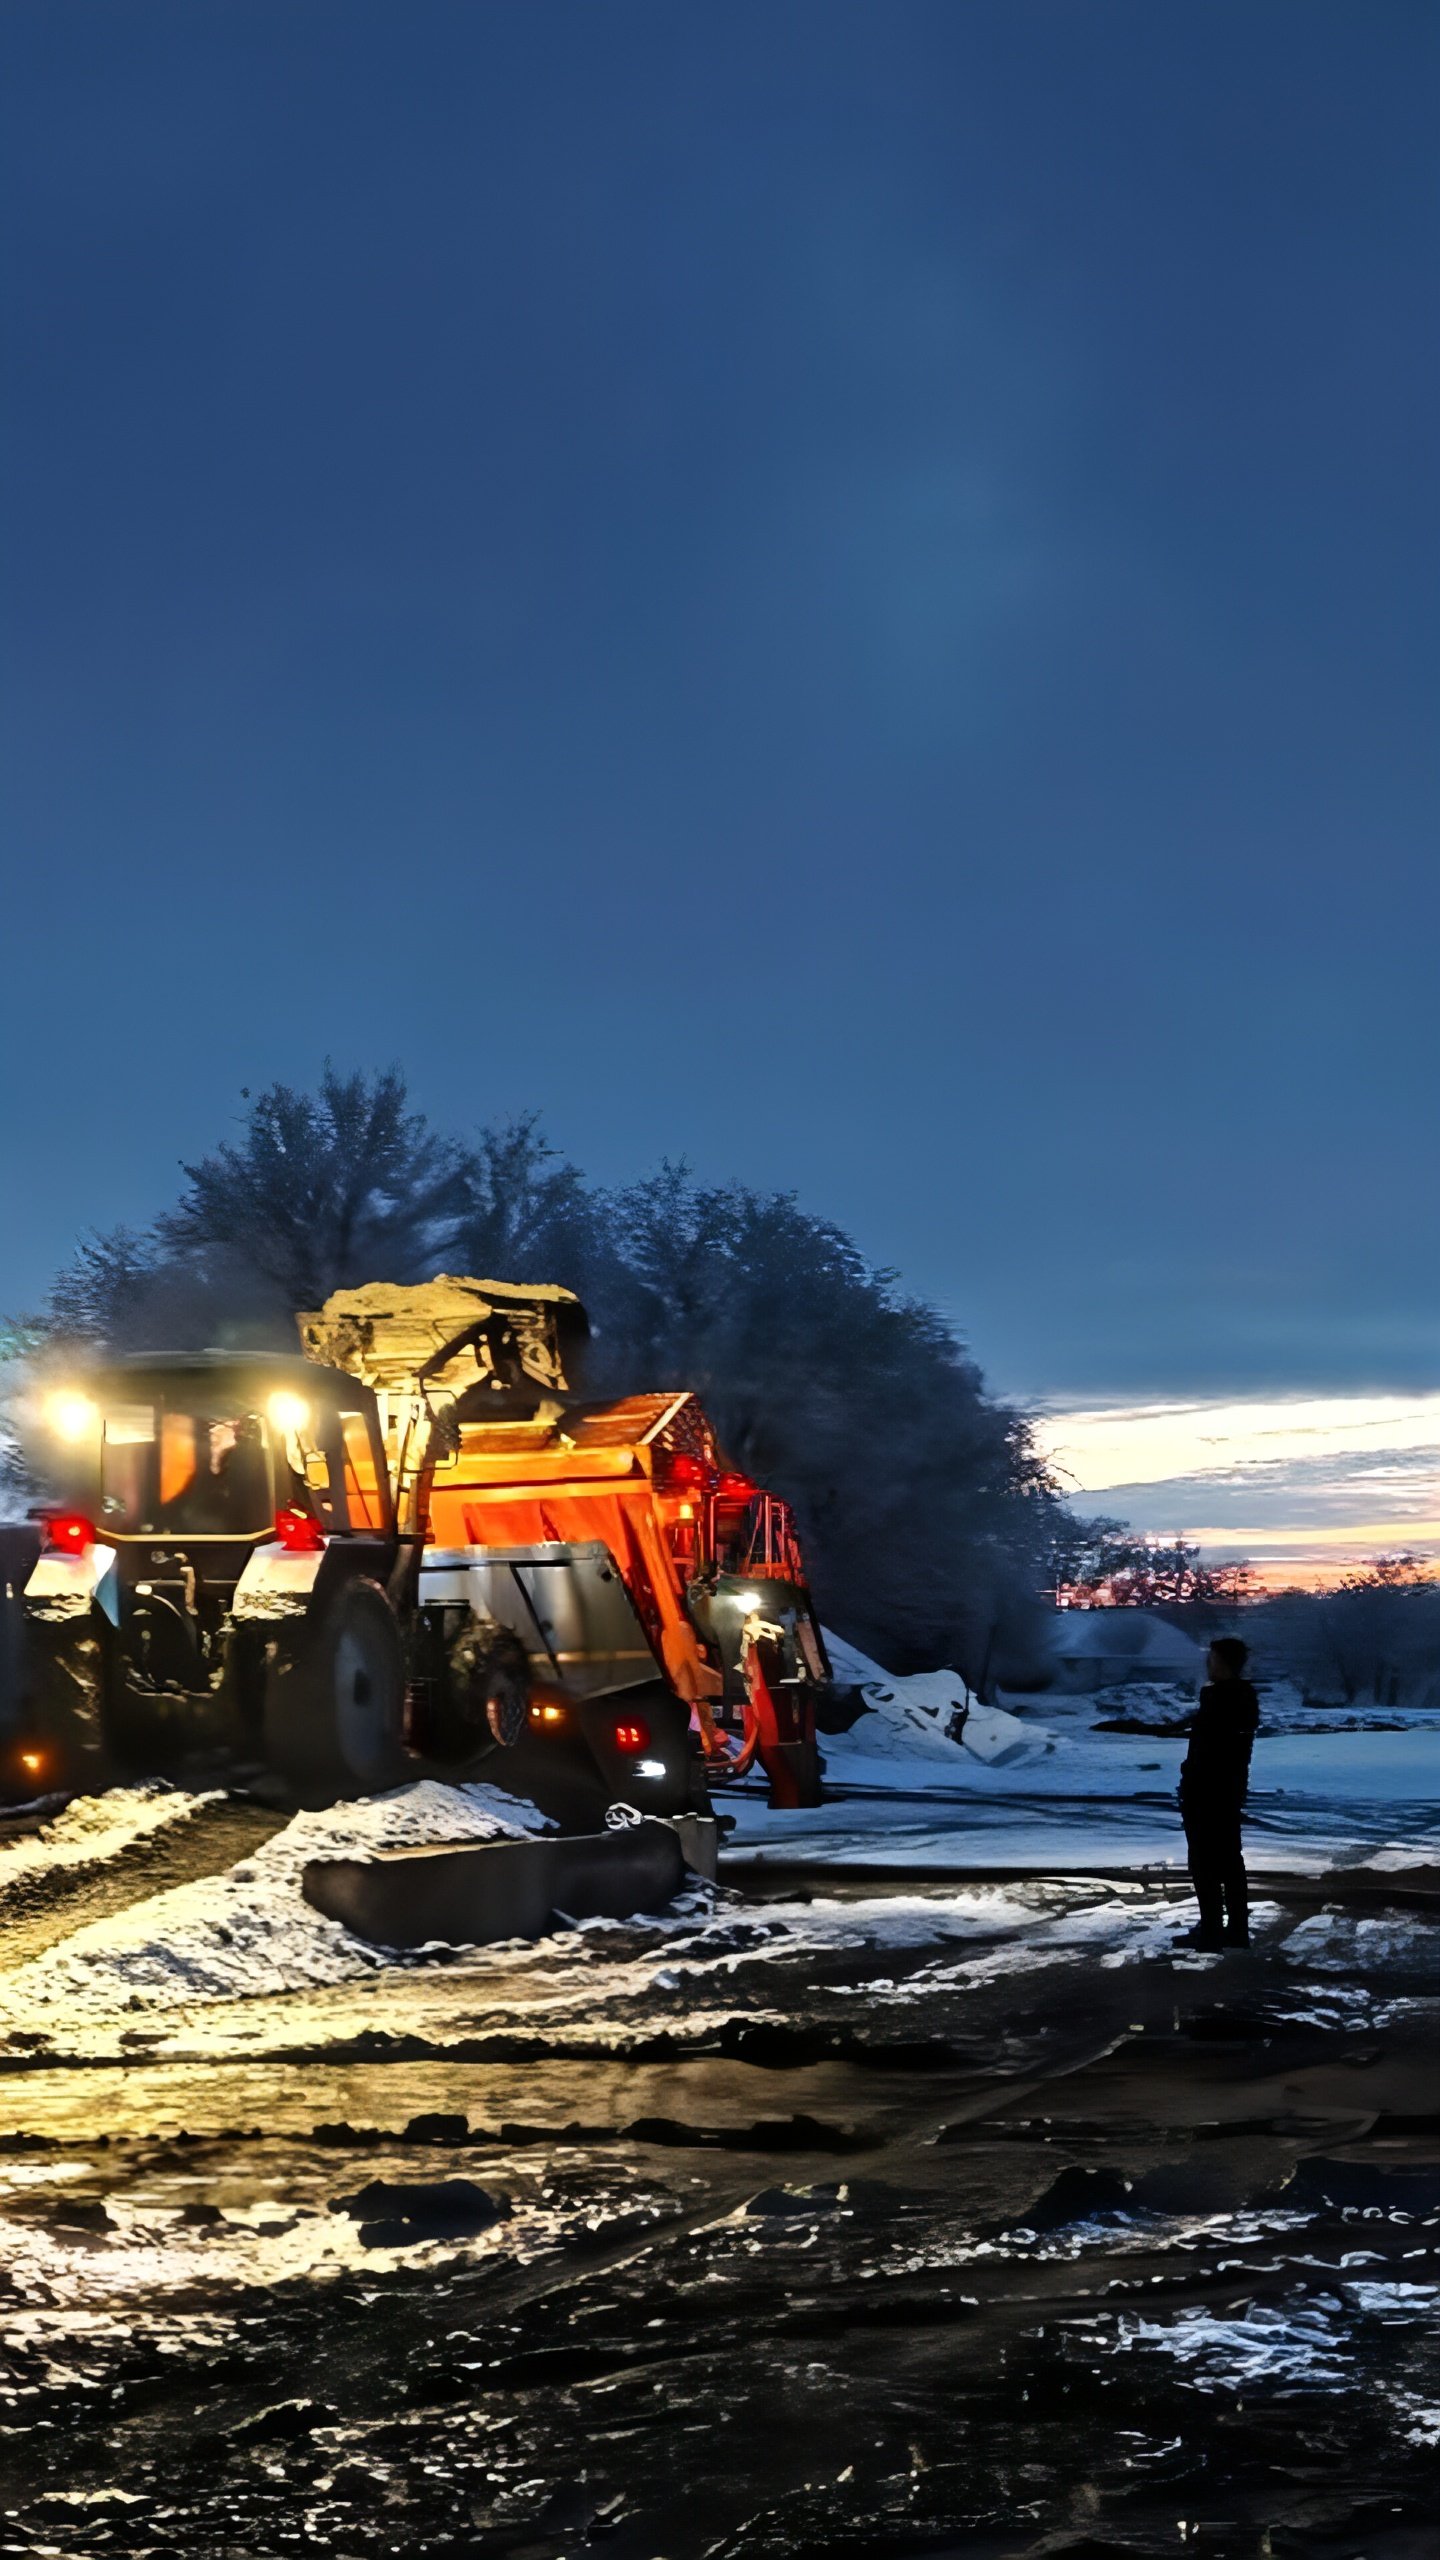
pixel 845 591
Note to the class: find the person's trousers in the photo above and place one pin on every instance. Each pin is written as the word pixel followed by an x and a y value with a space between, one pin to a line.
pixel 1217 1869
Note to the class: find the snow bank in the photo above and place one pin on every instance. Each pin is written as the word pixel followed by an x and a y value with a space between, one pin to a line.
pixel 95 1828
pixel 922 1718
pixel 250 1931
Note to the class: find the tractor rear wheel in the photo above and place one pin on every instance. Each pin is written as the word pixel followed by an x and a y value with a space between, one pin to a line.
pixel 335 1702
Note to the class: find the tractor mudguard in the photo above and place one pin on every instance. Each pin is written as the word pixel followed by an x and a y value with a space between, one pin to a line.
pixel 63 1588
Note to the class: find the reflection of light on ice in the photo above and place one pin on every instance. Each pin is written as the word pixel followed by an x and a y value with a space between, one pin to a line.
pixel 1305 2344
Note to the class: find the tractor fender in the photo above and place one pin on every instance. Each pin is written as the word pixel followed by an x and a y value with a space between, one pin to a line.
pixel 276 1584
pixel 280 1587
pixel 64 1587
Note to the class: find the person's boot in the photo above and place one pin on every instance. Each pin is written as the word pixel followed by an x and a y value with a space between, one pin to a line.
pixel 1208 1934
pixel 1237 1916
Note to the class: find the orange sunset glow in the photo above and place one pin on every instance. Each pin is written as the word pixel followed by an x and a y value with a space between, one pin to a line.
pixel 1305 1489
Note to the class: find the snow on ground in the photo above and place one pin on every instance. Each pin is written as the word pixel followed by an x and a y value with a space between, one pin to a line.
pixel 248 1931
pixel 186 1956
pixel 95 1828
pixel 1044 1744
pixel 1291 2348
pixel 1342 1942
pixel 1305 2343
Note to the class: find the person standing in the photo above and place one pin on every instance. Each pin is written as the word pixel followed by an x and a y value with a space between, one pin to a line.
pixel 1213 1781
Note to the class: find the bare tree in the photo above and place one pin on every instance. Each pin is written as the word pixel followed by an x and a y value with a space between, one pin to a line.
pixel 924 1505
pixel 326 1190
pixel 528 1213
pixel 1102 1564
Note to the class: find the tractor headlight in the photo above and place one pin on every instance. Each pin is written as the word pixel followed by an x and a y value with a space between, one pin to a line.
pixel 70 1416
pixel 289 1413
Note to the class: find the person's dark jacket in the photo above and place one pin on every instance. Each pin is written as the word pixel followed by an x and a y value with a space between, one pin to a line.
pixel 1216 1769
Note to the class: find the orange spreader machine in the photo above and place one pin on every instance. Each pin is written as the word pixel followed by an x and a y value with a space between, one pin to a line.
pixel 493 1457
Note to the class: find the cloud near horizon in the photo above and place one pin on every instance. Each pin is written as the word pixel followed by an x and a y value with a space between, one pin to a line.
pixel 1303 1486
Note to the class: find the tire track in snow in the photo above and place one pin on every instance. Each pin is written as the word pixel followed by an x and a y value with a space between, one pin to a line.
pixel 44 1903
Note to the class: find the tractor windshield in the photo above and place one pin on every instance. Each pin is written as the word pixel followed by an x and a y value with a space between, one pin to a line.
pixel 184 1474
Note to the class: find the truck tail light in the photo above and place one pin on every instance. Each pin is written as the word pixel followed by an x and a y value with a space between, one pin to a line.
pixel 298 1533
pixel 632 1737
pixel 69 1533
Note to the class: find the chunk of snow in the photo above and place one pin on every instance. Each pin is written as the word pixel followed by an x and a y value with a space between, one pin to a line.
pixel 925 1716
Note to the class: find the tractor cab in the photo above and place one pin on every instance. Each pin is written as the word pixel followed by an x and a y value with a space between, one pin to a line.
pixel 214 1452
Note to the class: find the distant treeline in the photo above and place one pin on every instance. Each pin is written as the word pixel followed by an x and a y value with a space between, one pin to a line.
pixel 1375 1634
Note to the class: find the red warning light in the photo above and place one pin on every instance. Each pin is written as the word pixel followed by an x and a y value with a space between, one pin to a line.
pixel 298 1533
pixel 634 1736
pixel 69 1533
pixel 681 1471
